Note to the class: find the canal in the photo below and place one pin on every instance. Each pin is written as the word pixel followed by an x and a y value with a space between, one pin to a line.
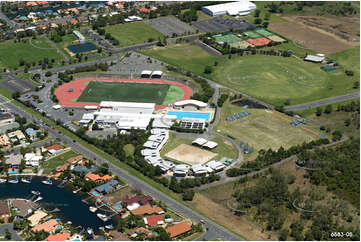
pixel 70 206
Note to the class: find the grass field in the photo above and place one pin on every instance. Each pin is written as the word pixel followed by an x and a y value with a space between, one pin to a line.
pixel 66 40
pixel 174 93
pixel 349 60
pixel 261 130
pixel 270 78
pixel 125 92
pixel 59 160
pixel 129 149
pixel 133 33
pixel 12 53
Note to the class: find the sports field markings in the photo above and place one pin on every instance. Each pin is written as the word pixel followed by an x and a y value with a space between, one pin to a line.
pixel 41 48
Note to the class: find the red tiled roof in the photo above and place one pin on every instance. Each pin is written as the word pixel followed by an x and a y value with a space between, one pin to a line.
pixel 178 229
pixel 53 147
pixel 75 159
pixel 147 209
pixel 48 226
pixel 144 10
pixel 153 220
pixel 96 177
pixel 58 237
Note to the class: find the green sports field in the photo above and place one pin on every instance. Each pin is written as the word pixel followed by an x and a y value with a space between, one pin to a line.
pixel 31 51
pixel 95 92
pixel 133 33
pixel 272 79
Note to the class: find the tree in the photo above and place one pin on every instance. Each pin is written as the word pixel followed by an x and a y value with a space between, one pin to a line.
pixel 265 24
pixel 328 109
pixel 319 111
pixel 356 85
pixel 7 234
pixel 188 195
pixel 284 234
pixel 257 21
pixel 48 73
pixel 347 122
pixel 208 70
pixel 257 13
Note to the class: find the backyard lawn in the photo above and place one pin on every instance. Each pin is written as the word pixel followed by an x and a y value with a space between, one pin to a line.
pixel 31 51
pixel 59 160
pixel 133 33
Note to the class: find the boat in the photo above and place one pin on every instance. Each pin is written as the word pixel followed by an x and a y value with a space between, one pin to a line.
pixel 14 181
pixel 69 222
pixel 2 180
pixel 101 228
pixel 47 182
pixel 93 209
pixel 26 180
pixel 109 226
pixel 35 192
pixel 38 199
pixel 90 230
pixel 102 217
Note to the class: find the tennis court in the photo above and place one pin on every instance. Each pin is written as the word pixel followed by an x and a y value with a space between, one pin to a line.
pixel 241 45
pixel 259 41
pixel 252 34
pixel 276 38
pixel 263 32
pixel 228 38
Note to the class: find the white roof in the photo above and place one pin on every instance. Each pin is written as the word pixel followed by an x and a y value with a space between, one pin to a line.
pixel 57 106
pixel 158 131
pixel 126 104
pixel 133 206
pixel 151 144
pixel 84 121
pixel 159 73
pixel 191 102
pixel 136 123
pixel 199 168
pixel 146 72
pixel 232 8
pixel 193 120
pixel 181 168
pixel 199 141
pixel 91 107
pixel 210 144
pixel 157 138
pixel 149 152
pixel 215 165
pixel 166 165
pixel 88 116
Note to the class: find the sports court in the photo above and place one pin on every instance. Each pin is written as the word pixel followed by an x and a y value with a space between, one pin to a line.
pixel 81 48
pixel 190 154
pixel 259 41
pixel 252 34
pixel 241 45
pixel 227 38
pixel 276 38
pixel 263 32
pixel 69 93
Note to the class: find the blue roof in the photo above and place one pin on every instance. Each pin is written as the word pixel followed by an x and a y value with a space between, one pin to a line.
pixel 31 131
pixel 80 169
pixel 107 187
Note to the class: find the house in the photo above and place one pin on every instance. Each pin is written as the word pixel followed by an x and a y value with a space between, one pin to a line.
pixel 32 133
pixel 36 217
pixel 154 220
pixel 179 229
pixel 23 207
pixel 62 168
pixel 54 149
pixel 58 237
pixel 4 210
pixel 147 210
pixel 118 236
pixel 32 159
pixel 144 10
pixel 96 177
pixel 75 159
pixel 107 187
pixel 80 169
pixel 135 232
pixel 14 160
pixel 4 140
pixel 136 199
pixel 17 134
pixel 49 226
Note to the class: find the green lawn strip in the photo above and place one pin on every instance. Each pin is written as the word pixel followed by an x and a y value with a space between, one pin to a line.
pixel 12 52
pixel 349 59
pixel 224 150
pixel 108 157
pixel 129 150
pixel 59 160
pixel 174 94
pixel 133 33
pixel 273 79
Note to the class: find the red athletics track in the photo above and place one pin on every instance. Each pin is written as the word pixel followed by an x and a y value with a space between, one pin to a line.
pixel 66 98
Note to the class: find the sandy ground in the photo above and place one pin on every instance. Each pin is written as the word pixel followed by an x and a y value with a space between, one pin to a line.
pixel 311 37
pixel 190 154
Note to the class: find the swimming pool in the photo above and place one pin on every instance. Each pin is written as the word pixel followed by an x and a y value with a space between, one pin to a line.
pixel 181 115
pixel 117 206
pixel 96 194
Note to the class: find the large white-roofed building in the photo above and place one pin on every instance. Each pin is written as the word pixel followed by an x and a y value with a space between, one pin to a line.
pixel 157 74
pixel 242 8
pixel 190 102
pixel 215 165
pixel 146 74
pixel 128 107
pixel 181 170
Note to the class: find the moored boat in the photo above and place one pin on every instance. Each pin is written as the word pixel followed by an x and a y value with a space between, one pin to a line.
pixel 92 209
pixel 14 181
pixel 47 182
pixel 2 180
pixel 26 180
pixel 102 217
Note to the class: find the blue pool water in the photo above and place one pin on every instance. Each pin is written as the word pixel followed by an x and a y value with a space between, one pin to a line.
pixel 181 115
pixel 13 172
pixel 117 206
pixel 96 193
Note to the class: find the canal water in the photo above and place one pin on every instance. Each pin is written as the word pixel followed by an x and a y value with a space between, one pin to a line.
pixel 70 206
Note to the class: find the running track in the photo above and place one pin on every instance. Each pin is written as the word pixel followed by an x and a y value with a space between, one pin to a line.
pixel 67 98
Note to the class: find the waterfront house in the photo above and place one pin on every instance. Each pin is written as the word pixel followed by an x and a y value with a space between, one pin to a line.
pixel 23 207
pixel 36 217
pixel 4 210
pixel 147 210
pixel 136 199
pixel 14 160
pixel 49 226
pixel 178 229
pixel 137 231
pixel 32 159
pixel 97 178
pixel 58 237
pixel 107 187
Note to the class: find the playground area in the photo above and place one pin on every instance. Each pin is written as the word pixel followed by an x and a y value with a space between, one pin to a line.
pixel 91 91
pixel 190 155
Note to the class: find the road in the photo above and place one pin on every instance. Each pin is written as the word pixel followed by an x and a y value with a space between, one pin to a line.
pixel 323 102
pixel 11 24
pixel 14 235
pixel 214 230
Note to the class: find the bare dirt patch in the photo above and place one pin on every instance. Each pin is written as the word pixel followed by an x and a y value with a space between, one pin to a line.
pixel 190 154
pixel 311 37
